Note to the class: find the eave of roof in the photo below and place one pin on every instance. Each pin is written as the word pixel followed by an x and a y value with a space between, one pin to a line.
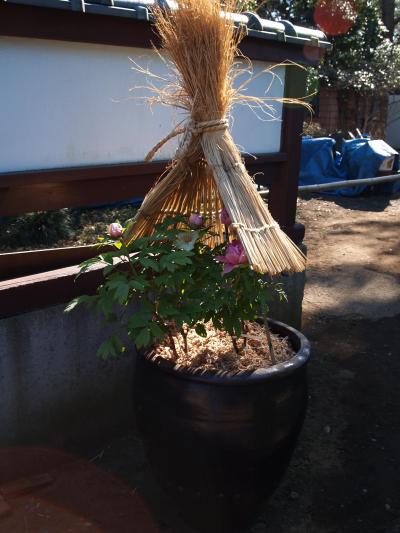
pixel 257 27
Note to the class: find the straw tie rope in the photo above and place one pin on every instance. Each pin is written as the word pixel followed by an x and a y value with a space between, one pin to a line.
pixel 240 225
pixel 195 128
pixel 209 125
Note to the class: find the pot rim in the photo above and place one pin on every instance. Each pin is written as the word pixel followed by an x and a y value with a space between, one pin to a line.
pixel 299 342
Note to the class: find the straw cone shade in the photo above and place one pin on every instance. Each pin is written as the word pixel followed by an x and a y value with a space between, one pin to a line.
pixel 207 172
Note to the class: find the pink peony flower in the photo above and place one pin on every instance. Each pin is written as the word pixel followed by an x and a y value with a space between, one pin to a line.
pixel 225 218
pixel 115 230
pixel 195 221
pixel 234 256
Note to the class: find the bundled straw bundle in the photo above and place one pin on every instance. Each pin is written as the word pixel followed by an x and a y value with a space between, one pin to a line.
pixel 208 172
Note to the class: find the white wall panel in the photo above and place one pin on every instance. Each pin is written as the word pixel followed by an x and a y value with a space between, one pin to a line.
pixel 68 104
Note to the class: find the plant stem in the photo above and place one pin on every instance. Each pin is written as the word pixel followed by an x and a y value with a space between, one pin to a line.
pixel 226 234
pixel 184 335
pixel 171 339
pixel 271 348
pixel 235 345
pixel 245 329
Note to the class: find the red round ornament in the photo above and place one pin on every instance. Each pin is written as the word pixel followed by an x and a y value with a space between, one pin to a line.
pixel 335 17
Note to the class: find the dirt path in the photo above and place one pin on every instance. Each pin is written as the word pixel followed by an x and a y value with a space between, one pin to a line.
pixel 354 257
pixel 345 476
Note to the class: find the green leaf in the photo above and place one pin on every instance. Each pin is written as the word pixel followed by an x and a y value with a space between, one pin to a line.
pixel 120 284
pixel 93 260
pixel 121 292
pixel 138 285
pixel 77 301
pixel 165 261
pixel 107 270
pixel 163 280
pixel 170 266
pixel 166 309
pixel 107 258
pixel 111 347
pixel 232 325
pixel 139 320
pixel 84 267
pixel 143 338
pixel 118 345
pixel 105 303
pixel 146 306
pixel 201 330
pixel 156 331
pixel 237 327
pixel 181 260
pixel 137 244
pixel 106 349
pixel 72 305
pixel 148 262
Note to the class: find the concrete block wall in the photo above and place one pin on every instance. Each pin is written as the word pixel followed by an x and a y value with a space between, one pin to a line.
pixel 54 390
pixel 290 312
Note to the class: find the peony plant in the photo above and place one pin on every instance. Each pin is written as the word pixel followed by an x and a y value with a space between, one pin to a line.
pixel 174 281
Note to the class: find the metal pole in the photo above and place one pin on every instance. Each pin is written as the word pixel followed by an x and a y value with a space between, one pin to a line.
pixel 339 184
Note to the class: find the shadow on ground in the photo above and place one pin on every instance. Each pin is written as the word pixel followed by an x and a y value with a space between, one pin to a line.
pixel 345 475
pixel 370 201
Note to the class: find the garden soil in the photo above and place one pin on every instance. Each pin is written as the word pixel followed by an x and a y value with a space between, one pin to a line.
pixel 345 473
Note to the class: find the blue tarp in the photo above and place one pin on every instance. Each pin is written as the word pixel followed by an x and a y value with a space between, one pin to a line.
pixel 360 158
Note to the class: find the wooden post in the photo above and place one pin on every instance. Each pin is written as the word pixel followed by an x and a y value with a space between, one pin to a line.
pixel 283 191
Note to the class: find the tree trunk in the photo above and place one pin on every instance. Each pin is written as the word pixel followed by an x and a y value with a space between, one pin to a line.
pixel 366 112
pixel 388 7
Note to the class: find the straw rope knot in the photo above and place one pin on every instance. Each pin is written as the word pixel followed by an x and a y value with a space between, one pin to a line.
pixel 193 128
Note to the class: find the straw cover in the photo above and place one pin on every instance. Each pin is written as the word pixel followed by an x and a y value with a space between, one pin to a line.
pixel 208 173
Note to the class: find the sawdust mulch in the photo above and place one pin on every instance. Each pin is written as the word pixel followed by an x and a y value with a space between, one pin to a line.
pixel 216 352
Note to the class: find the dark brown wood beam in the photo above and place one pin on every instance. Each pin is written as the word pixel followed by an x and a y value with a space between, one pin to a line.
pixel 79 193
pixel 43 190
pixel 89 172
pixel 16 264
pixel 64 25
pixel 24 294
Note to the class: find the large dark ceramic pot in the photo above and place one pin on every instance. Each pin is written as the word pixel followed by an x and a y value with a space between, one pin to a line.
pixel 220 445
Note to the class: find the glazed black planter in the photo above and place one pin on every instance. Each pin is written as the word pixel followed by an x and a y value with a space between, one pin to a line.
pixel 220 445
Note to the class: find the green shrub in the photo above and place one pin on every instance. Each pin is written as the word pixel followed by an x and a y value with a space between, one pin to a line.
pixel 175 281
pixel 43 228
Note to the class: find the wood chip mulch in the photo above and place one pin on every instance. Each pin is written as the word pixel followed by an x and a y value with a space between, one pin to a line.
pixel 216 353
